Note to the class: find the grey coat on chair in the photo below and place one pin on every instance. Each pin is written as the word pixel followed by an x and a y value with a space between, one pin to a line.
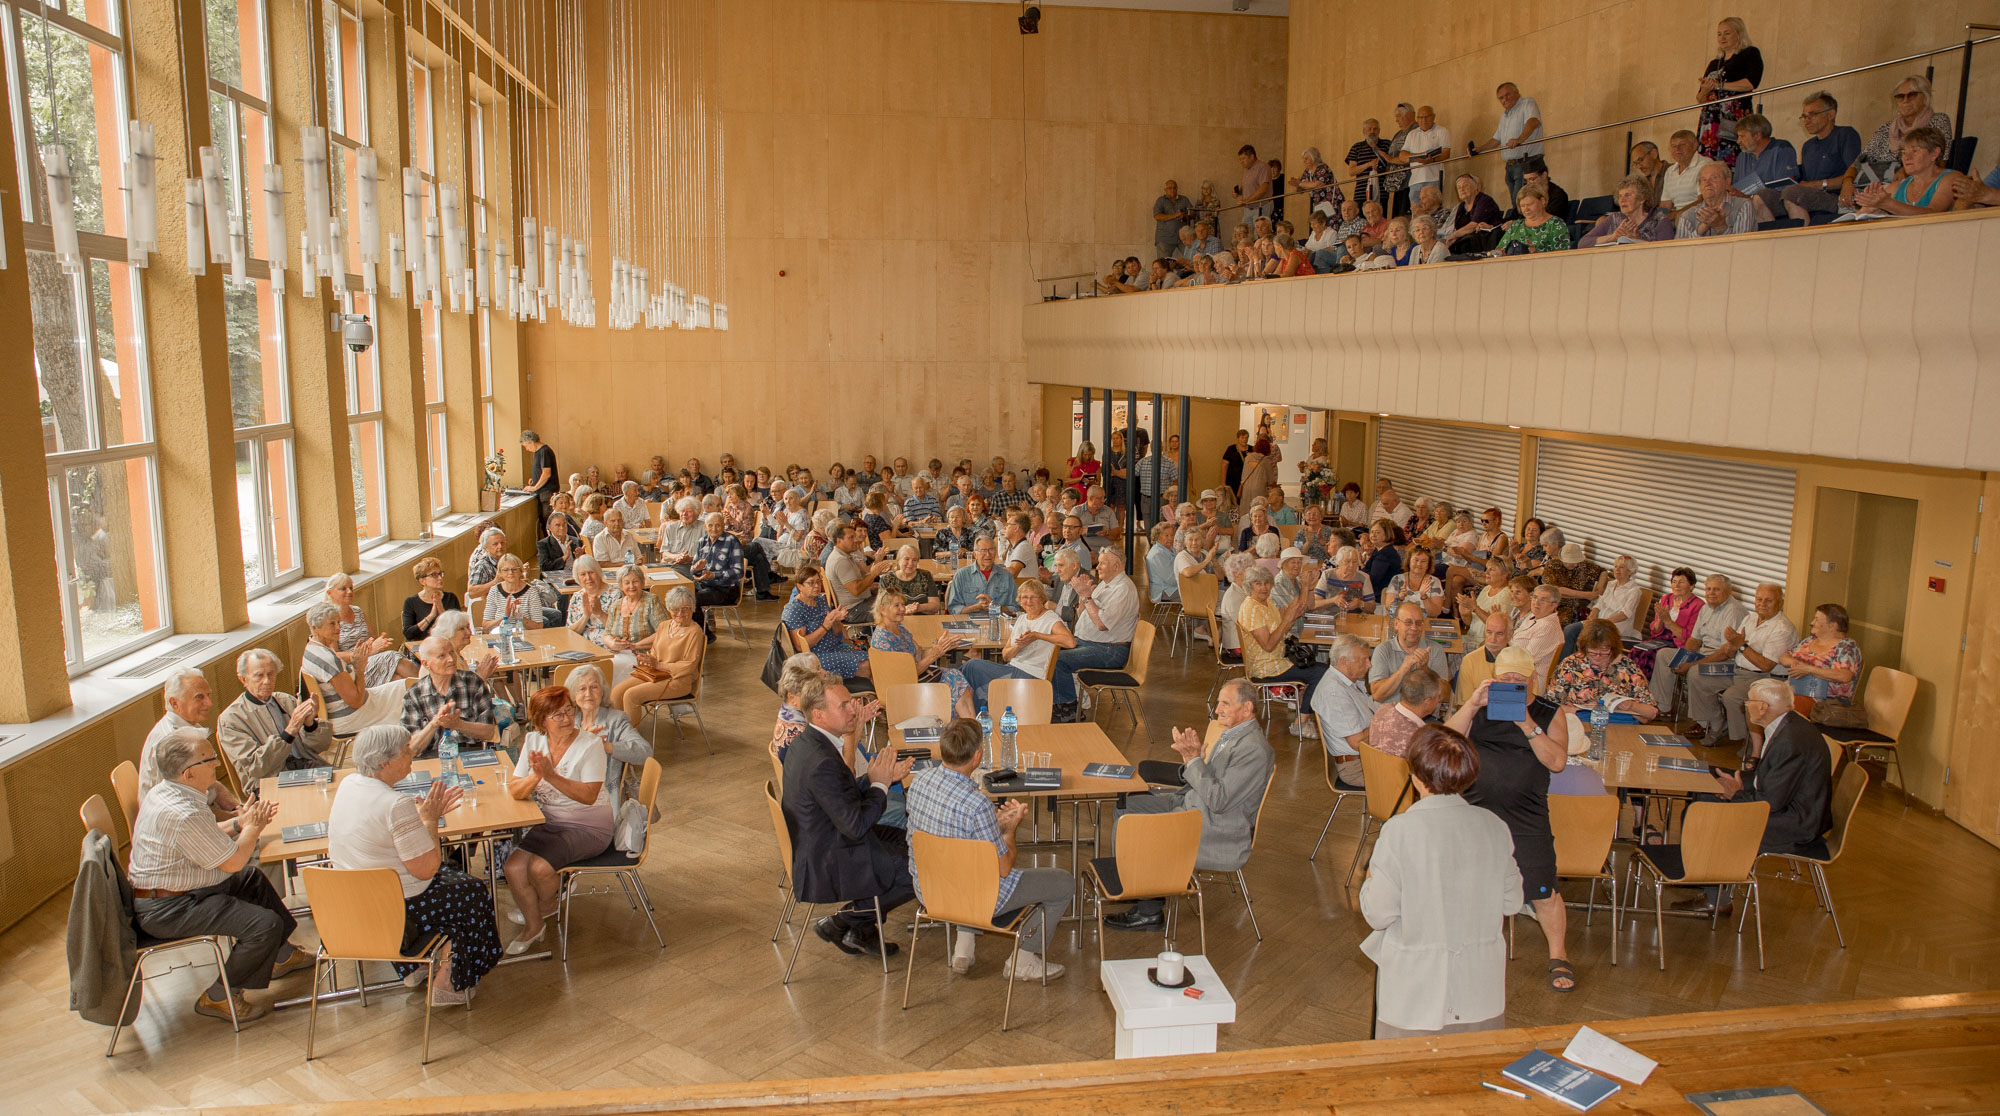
pixel 627 747
pixel 103 946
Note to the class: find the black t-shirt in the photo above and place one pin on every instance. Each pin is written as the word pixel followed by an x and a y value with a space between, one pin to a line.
pixel 1232 467
pixel 1513 782
pixel 545 458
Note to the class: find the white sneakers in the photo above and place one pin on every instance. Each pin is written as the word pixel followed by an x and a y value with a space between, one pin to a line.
pixel 964 942
pixel 1304 729
pixel 1030 966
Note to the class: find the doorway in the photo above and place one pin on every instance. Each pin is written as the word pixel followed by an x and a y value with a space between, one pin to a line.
pixel 1862 548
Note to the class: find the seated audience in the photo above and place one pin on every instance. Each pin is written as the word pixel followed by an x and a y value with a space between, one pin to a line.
pixel 1107 615
pixel 839 852
pixel 459 699
pixel 891 635
pixel 1825 665
pixel 1515 761
pixel 1476 665
pixel 565 774
pixel 482 568
pixel 431 600
pixel 614 546
pixel 530 604
pixel 669 667
pixel 351 704
pixel 264 731
pixel 625 751
pixel 194 875
pixel 1539 632
pixel 1226 784
pixel 1535 172
pixel 948 801
pixel 1672 623
pixel 1530 550
pixel 1468 224
pixel 1344 707
pixel 356 638
pixel 680 537
pixel 1406 649
pixel 592 505
pixel 1380 557
pixel 1428 249
pixel 1262 628
pixel 1830 149
pixel 1538 230
pixel 983 586
pixel 1715 212
pixel 1475 610
pixel 816 627
pixel 909 580
pixel 1634 219
pixel 1760 159
pixel 1600 671
pixel 372 825
pixel 1647 166
pixel 1704 641
pixel 630 505
pixel 850 577
pixel 1794 775
pixel 1680 180
pixel 189 700
pixel 1753 649
pixel 558 547
pixel 718 565
pixel 1925 184
pixel 1441 883
pixel 1415 585
pixel 1617 600
pixel 1346 585
pixel 1033 639
pixel 1101 521
pixel 1576 579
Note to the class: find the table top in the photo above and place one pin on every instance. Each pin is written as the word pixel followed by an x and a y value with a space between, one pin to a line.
pixel 926 629
pixel 547 643
pixel 1140 1003
pixel 485 808
pixel 1070 747
pixel 1624 740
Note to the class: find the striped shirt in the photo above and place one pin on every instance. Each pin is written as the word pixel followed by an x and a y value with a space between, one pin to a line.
pixel 946 803
pixel 319 661
pixel 176 844
pixel 919 508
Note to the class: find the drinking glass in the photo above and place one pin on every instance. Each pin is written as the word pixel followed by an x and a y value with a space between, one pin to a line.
pixel 1652 764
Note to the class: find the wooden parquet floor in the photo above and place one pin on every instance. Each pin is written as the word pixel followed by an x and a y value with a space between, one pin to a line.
pixel 1919 899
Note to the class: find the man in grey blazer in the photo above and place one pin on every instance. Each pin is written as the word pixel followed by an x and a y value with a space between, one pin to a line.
pixel 1227 786
pixel 265 731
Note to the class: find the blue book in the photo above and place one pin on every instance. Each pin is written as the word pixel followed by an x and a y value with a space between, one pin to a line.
pixel 305 776
pixel 1561 1081
pixel 1507 701
pixel 479 757
pixel 309 832
pixel 1726 669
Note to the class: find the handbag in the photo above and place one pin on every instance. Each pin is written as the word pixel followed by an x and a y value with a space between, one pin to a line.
pixel 774 660
pixel 629 834
pixel 1300 654
pixel 1838 714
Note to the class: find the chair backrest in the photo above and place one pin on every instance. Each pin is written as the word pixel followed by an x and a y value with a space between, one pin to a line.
pixel 1846 800
pixel 1199 594
pixel 1834 754
pixel 915 699
pixel 649 792
pixel 96 815
pixel 1887 701
pixel 1642 610
pixel 1032 699
pixel 1286 531
pixel 960 877
pixel 1156 852
pixel 778 826
pixel 1257 823
pixel 125 788
pixel 1209 736
pixel 1387 781
pixel 1139 660
pixel 1555 664
pixel 357 911
pixel 892 544
pixel 1584 825
pixel 227 772
pixel 777 769
pixel 313 691
pixel 1803 705
pixel 891 668
pixel 563 672
pixel 1719 840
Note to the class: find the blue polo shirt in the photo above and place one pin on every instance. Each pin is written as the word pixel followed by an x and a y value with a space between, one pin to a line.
pixel 1777 160
pixel 1830 157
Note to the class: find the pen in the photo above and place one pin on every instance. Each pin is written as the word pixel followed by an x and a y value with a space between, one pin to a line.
pixel 1503 1089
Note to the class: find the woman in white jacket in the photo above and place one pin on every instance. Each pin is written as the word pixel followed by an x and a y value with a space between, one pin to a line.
pixel 1440 886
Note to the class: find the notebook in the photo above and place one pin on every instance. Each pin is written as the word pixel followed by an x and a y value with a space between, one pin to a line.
pixel 1677 763
pixel 1560 1081
pixel 1717 670
pixel 1108 770
pixel 418 783
pixel 1660 739
pixel 572 656
pixel 310 832
pixel 968 628
pixel 922 736
pixel 479 757
pixel 305 777
pixel 1763 1100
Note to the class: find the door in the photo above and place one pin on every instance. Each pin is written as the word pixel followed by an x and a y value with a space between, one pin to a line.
pixel 1861 553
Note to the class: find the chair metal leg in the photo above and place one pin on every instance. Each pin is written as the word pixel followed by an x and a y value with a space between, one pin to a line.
pixel 1324 828
pixel 118 1026
pixel 1367 823
pixel 312 1010
pixel 430 986
pixel 798 941
pixel 646 908
pixel 909 970
pixel 1201 917
pixel 1826 894
pixel 881 943
pixel 1007 1008
pixel 1248 906
pixel 1659 919
pixel 784 915
pixel 1757 901
pixel 1611 881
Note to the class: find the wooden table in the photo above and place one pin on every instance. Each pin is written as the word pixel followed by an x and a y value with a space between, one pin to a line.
pixel 659 579
pixel 484 809
pixel 1623 740
pixel 547 643
pixel 927 628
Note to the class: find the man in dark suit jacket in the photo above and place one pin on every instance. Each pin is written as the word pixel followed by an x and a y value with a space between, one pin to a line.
pixel 1794 775
pixel 839 854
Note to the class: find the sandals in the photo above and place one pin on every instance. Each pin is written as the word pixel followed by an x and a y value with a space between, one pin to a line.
pixel 1559 970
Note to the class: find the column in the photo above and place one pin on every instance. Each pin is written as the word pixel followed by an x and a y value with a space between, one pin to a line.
pixel 458 333
pixel 188 340
pixel 398 325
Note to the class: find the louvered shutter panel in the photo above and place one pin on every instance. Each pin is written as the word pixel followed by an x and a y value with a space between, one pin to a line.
pixel 1470 468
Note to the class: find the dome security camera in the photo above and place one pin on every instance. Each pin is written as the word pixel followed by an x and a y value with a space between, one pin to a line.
pixel 354 330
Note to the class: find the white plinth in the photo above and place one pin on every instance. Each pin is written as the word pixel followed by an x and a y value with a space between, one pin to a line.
pixel 1155 1021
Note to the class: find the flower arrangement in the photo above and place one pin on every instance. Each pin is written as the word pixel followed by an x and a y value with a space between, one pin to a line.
pixel 496 471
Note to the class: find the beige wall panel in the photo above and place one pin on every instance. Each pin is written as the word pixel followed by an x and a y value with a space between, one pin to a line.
pixel 1599 61
pixel 1973 798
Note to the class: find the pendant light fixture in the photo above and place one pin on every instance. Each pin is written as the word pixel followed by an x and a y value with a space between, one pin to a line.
pixel 142 196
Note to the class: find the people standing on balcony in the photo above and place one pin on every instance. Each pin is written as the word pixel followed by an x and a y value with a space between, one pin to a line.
pixel 1277 189
pixel 1715 212
pixel 1737 68
pixel 1830 149
pixel 1171 214
pixel 1426 144
pixel 1518 135
pixel 1636 218
pixel 1367 160
pixel 1322 192
pixel 1680 183
pixel 1396 183
pixel 1254 194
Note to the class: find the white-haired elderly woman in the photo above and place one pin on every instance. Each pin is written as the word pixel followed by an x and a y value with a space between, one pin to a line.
pixel 455 627
pixel 265 731
pixel 919 590
pixel 670 666
pixel 614 546
pixel 372 825
pixel 531 604
pixel 625 750
pixel 565 774
pixel 351 703
pixel 483 568
pixel 1428 248
pixel 1345 585
pixel 1234 568
pixel 384 661
pixel 680 536
pixel 1263 626
pixel 1266 549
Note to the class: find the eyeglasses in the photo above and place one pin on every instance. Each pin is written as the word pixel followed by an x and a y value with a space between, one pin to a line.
pixel 1810 113
pixel 1910 96
pixel 200 762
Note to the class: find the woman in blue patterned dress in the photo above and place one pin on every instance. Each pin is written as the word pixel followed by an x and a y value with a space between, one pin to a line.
pixel 891 635
pixel 816 628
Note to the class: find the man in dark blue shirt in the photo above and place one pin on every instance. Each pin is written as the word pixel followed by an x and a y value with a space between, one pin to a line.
pixel 1829 151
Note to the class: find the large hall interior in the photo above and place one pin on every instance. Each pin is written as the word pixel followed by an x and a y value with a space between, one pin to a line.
pixel 949 556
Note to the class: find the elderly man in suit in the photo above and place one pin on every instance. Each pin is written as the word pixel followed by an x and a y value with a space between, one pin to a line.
pixel 839 853
pixel 1795 775
pixel 1227 786
pixel 266 731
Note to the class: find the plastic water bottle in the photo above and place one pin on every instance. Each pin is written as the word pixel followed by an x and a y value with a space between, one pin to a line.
pixel 507 641
pixel 448 754
pixel 1007 726
pixel 1600 717
pixel 986 735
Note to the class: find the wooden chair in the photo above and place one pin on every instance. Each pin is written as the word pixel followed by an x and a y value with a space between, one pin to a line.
pixel 125 788
pixel 1332 784
pixel 96 815
pixel 227 772
pixel 1385 779
pixel 687 705
pixel 1886 699
pixel 783 829
pixel 733 611
pixel 562 675
pixel 891 668
pixel 1718 847
pixel 1154 860
pixel 1584 826
pixel 1847 794
pixel 1287 532
pixel 1834 754
pixel 1200 593
pixel 624 867
pixel 1123 684
pixel 359 915
pixel 337 754
pixel 1032 699
pixel 1256 825
pixel 962 888
pixel 915 699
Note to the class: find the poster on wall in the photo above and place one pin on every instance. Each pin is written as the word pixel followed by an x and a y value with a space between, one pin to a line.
pixel 1143 420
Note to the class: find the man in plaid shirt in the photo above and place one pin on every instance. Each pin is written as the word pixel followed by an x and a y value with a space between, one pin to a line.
pixel 947 801
pixel 443 683
pixel 1007 496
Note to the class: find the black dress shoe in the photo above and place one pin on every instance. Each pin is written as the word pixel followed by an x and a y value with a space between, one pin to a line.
pixel 864 939
pixel 767 596
pixel 1137 918
pixel 830 931
pixel 1064 713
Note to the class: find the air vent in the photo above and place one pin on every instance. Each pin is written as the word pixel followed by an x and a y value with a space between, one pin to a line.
pixel 303 595
pixel 168 658
pixel 10 738
pixel 396 548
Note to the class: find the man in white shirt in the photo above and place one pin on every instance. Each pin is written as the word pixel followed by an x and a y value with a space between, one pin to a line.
pixel 1540 633
pixel 1720 611
pixel 1389 505
pixel 1344 709
pixel 680 538
pixel 1429 142
pixel 1518 135
pixel 630 506
pixel 1753 648
pixel 1107 615
pixel 189 702
pixel 1680 186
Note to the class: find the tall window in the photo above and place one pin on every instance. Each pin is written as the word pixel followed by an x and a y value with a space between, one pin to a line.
pixel 67 74
pixel 423 156
pixel 347 127
pixel 266 496
pixel 476 131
